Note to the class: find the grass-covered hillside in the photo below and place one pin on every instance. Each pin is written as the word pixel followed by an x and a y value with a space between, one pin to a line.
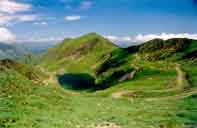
pixel 138 58
pixel 88 82
pixel 172 49
pixel 26 104
pixel 77 55
pixel 25 70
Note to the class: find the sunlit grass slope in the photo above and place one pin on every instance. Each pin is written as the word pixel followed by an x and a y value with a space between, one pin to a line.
pixel 79 54
pixel 137 87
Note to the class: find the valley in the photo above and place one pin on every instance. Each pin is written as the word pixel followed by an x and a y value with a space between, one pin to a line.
pixel 88 82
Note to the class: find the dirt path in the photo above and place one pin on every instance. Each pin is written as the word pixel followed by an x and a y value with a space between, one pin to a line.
pixel 183 95
pixel 181 85
pixel 118 95
pixel 51 80
pixel 181 80
pixel 128 76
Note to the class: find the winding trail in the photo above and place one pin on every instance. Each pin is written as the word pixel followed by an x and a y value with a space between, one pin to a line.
pixel 120 94
pixel 181 80
pixel 181 85
pixel 183 95
pixel 128 76
pixel 51 78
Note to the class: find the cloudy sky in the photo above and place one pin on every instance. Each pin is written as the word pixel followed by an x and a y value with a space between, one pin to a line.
pixel 118 20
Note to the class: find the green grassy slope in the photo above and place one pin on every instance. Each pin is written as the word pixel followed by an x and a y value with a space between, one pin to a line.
pixel 77 55
pixel 24 104
pixel 27 71
pixel 154 63
pixel 138 87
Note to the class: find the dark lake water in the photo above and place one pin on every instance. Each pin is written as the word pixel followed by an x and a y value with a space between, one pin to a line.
pixel 81 81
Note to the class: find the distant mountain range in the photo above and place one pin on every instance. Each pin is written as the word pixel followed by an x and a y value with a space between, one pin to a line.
pixel 20 51
pixel 12 51
pixel 37 47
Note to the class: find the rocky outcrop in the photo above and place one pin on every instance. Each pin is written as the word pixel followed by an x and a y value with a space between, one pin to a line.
pixel 130 75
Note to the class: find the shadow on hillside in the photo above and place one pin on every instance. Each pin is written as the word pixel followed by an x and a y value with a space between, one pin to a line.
pixel 82 81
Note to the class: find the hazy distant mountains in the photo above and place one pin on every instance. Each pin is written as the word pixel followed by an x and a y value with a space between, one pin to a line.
pixel 20 50
pixel 11 51
pixel 37 48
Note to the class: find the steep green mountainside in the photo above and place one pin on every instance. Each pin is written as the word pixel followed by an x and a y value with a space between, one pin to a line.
pixel 77 55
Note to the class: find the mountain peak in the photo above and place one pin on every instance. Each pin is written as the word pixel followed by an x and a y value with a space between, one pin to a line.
pixel 91 47
pixel 93 34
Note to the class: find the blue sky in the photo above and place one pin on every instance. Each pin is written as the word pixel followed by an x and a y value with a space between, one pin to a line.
pixel 122 20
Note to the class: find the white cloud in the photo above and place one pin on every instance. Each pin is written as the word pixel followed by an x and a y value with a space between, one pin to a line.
pixel 11 7
pixel 119 38
pixel 6 36
pixel 164 36
pixel 12 12
pixel 126 41
pixel 26 18
pixel 72 18
pixel 147 37
pixel 40 23
pixel 6 19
